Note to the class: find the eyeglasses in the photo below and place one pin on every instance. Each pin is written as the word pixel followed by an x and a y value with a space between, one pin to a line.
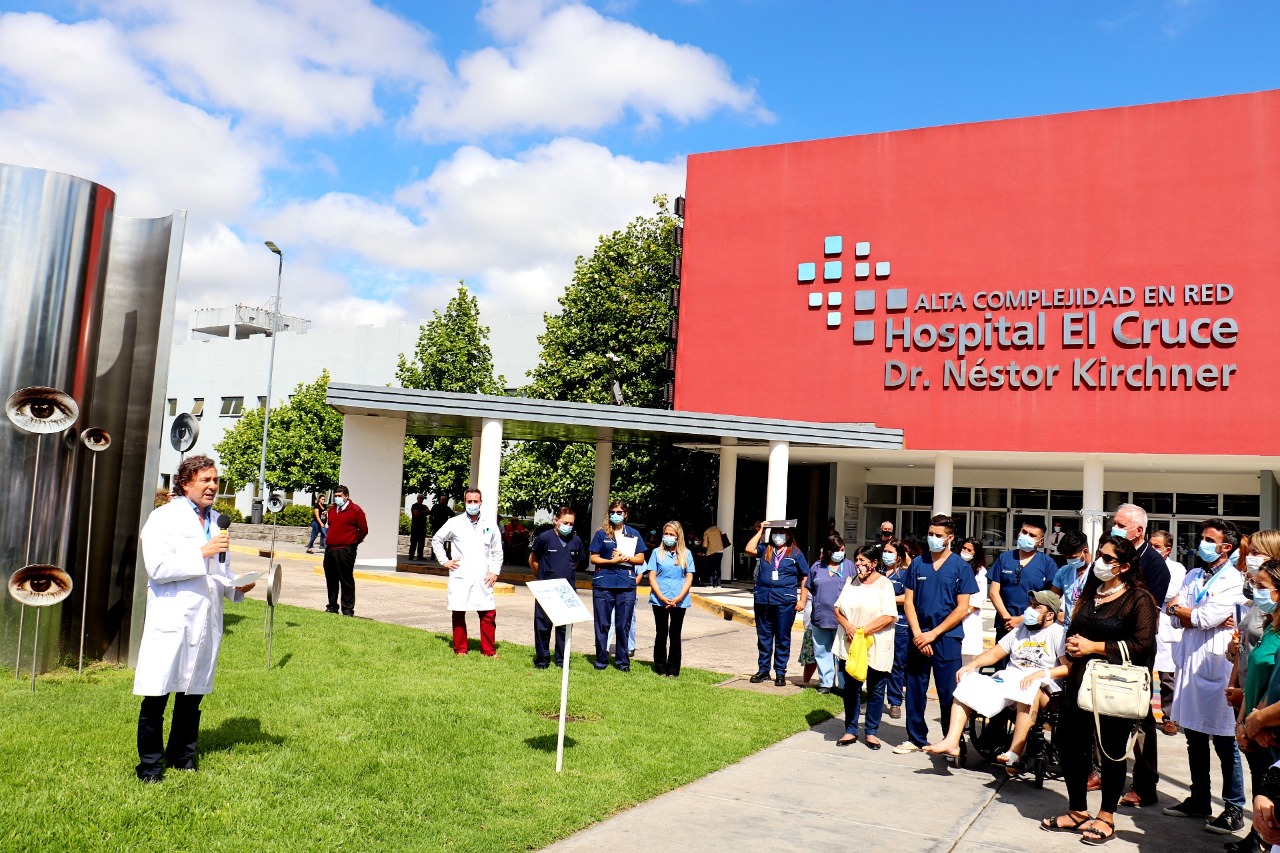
pixel 1108 559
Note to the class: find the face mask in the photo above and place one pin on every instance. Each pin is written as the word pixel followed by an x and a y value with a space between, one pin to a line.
pixel 1031 617
pixel 1102 571
pixel 837 557
pixel 1253 563
pixel 615 518
pixel 967 557
pixel 1026 543
pixel 566 529
pixel 473 510
pixel 1234 559
pixel 669 541
pixel 779 539
pixel 889 558
pixel 1263 601
pixel 1208 551
pixel 936 544
pixel 864 572
pixel 1119 532
pixel 339 500
pixel 1075 563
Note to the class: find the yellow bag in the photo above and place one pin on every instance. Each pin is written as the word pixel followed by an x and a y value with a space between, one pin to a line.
pixel 859 650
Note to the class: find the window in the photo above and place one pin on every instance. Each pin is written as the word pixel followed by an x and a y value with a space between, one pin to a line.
pixel 1030 498
pixel 991 498
pixel 1246 505
pixel 225 492
pixel 960 497
pixel 878 494
pixel 1155 503
pixel 917 496
pixel 1205 505
pixel 166 481
pixel 173 406
pixel 1069 501
pixel 1111 500
pixel 197 407
pixel 232 407
pixel 262 402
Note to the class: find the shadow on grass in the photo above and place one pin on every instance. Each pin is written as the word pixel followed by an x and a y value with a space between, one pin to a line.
pixel 547 743
pixel 229 619
pixel 284 660
pixel 237 731
pixel 818 716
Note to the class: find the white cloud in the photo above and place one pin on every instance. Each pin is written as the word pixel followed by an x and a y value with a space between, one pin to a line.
pixel 565 67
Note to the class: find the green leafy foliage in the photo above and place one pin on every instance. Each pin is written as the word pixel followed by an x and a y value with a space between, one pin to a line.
pixel 294 515
pixel 304 447
pixel 452 354
pixel 228 509
pixel 618 303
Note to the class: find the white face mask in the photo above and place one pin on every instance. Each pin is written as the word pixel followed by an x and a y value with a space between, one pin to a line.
pixel 967 556
pixel 1253 563
pixel 779 539
pixel 1102 571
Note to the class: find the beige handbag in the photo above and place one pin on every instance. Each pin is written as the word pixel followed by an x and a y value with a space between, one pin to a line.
pixel 1115 690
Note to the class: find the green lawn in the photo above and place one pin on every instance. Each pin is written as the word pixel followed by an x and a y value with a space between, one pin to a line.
pixel 368 736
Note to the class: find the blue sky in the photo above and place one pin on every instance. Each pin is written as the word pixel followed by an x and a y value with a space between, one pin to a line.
pixel 394 148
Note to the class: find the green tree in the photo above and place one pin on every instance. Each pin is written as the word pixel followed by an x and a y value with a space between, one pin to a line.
pixel 618 304
pixel 452 354
pixel 304 447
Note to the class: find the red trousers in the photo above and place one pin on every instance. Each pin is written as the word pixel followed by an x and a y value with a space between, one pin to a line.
pixel 488 631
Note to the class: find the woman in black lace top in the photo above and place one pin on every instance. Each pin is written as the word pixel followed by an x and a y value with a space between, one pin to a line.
pixel 1113 607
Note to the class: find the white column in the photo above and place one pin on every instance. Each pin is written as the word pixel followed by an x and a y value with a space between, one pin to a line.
pixel 490 462
pixel 474 477
pixel 944 477
pixel 1092 511
pixel 775 496
pixel 372 467
pixel 724 505
pixel 600 491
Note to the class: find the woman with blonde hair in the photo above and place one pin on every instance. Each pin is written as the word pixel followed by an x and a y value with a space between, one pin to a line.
pixel 670 569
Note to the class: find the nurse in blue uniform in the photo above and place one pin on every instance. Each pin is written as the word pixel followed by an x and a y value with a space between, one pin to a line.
pixel 613 583
pixel 779 596
pixel 556 553
pixel 938 587
pixel 894 563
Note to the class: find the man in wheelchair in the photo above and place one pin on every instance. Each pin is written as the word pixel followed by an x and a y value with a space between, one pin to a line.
pixel 1036 650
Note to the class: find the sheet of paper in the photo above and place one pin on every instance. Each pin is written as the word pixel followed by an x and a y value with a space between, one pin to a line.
pixel 244 580
pixel 627 545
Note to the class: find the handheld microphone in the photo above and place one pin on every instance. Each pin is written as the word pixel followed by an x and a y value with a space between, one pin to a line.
pixel 224 521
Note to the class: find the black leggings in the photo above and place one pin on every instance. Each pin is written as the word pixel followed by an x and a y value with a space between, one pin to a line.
pixel 666 658
pixel 1074 737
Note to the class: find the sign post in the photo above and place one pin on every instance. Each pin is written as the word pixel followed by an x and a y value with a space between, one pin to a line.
pixel 563 607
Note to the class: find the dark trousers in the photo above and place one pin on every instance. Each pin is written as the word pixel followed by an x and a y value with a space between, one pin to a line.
pixel 488 632
pixel 1074 735
pixel 919 666
pixel 1166 694
pixel 613 607
pixel 339 566
pixel 667 623
pixel 316 530
pixel 897 676
pixel 1146 764
pixel 1199 764
pixel 416 543
pixel 542 639
pixel 183 732
pixel 773 636
pixel 876 682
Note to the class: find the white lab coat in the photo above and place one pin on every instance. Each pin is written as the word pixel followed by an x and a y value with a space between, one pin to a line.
pixel 478 549
pixel 972 624
pixel 1201 668
pixel 183 627
pixel 1170 632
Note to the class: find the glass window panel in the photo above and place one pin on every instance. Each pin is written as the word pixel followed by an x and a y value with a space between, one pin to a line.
pixel 1111 500
pixel 915 525
pixel 173 406
pixel 1059 525
pixel 993 498
pixel 197 407
pixel 1030 498
pixel 1193 504
pixel 989 527
pixel 1155 503
pixel 961 497
pixel 875 516
pixel 232 406
pixel 1245 505
pixel 1068 500
pixel 917 496
pixel 880 494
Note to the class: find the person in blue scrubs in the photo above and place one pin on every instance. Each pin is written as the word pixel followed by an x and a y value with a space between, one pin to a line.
pixel 894 563
pixel 827 579
pixel 938 587
pixel 613 582
pixel 1017 573
pixel 671 570
pixel 781 590
pixel 556 553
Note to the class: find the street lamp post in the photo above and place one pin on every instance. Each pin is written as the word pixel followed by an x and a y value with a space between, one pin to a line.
pixel 271 367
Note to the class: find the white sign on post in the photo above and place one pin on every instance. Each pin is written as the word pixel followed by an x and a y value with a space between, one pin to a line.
pixel 563 607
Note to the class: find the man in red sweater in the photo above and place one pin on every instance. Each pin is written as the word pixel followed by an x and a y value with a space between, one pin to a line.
pixel 347 529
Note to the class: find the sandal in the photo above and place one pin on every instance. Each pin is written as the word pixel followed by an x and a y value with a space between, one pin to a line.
pixel 1093 837
pixel 1050 824
pixel 851 740
pixel 1009 758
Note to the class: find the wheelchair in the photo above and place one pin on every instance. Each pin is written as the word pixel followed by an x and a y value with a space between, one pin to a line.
pixel 991 736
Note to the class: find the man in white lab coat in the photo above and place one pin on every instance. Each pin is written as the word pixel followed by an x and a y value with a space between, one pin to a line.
pixel 187 577
pixel 474 566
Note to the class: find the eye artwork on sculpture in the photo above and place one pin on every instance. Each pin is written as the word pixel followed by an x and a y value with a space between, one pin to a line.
pixel 41 410
pixel 96 439
pixel 40 585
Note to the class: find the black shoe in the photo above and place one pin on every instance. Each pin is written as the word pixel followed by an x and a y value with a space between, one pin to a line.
pixel 780 681
pixel 759 677
pixel 601 668
pixel 1230 821
pixel 623 668
pixel 1251 843
pixel 1189 808
pixel 542 666
pixel 333 609
pixel 824 690
pixel 150 778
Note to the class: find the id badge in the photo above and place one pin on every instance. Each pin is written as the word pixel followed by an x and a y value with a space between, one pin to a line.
pixel 775 575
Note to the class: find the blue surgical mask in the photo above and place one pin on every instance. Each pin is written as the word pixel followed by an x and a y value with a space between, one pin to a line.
pixel 1263 601
pixel 473 509
pixel 615 518
pixel 1075 563
pixel 1026 543
pixel 1031 617
pixel 937 544
pixel 837 557
pixel 1119 532
pixel 1234 559
pixel 566 529
pixel 889 558
pixel 1208 551
pixel 339 501
pixel 669 541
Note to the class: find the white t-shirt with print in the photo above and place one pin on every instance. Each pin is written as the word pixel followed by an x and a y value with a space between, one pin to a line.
pixel 1032 649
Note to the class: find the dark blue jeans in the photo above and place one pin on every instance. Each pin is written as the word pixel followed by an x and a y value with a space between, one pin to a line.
pixel 897 676
pixel 876 681
pixel 773 635
pixel 612 607
pixel 316 530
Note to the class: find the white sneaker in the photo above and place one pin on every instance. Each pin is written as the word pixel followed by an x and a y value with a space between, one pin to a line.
pixel 905 747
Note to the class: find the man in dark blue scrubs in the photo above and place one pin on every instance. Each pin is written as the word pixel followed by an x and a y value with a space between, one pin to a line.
pixel 1017 573
pixel 556 553
pixel 939 584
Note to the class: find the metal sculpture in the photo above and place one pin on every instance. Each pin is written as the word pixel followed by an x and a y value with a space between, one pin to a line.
pixel 96 439
pixel 39 586
pixel 41 411
pixel 183 433
pixel 274 578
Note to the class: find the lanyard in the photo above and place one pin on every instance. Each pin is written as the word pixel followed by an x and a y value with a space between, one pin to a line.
pixel 778 556
pixel 1199 596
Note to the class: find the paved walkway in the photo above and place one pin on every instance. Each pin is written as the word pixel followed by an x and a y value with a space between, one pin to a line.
pixel 803 793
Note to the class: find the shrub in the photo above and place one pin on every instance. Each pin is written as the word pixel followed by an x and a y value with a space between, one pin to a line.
pixel 227 507
pixel 404 523
pixel 294 515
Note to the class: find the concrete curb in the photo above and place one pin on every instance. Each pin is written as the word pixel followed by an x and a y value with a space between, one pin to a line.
pixel 499 588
